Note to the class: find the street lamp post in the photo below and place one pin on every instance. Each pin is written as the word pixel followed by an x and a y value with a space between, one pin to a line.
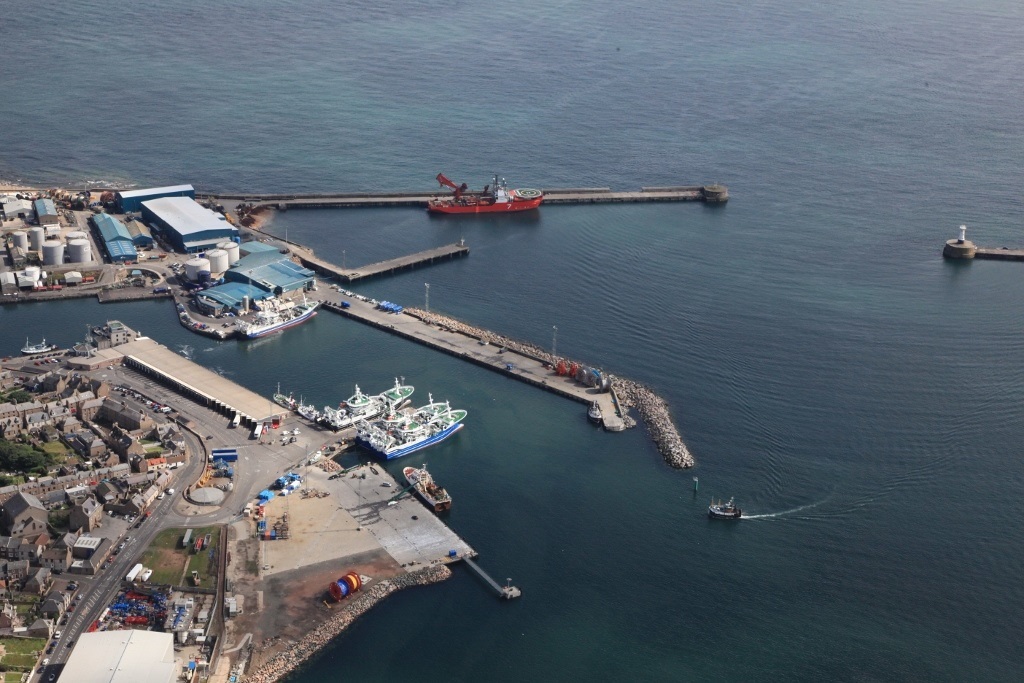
pixel 342 259
pixel 426 297
pixel 554 340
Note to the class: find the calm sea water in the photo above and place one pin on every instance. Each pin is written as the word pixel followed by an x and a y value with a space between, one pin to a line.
pixel 860 397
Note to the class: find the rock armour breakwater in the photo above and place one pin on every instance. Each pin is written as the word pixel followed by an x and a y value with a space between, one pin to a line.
pixel 286 662
pixel 652 408
pixel 654 411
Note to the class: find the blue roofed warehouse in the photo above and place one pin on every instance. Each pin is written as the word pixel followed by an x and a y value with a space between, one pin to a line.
pixel 115 238
pixel 46 212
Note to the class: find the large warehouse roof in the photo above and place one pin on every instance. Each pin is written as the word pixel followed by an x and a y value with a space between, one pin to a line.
pixel 198 379
pixel 121 657
pixel 148 191
pixel 186 216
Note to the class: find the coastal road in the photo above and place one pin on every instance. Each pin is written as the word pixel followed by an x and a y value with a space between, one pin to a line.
pixel 95 593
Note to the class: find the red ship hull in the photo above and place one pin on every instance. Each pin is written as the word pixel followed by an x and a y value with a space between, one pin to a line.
pixel 474 205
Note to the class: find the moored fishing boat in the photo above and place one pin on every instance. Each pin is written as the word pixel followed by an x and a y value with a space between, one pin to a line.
pixel 594 413
pixel 390 441
pixel 41 347
pixel 308 411
pixel 496 198
pixel 726 511
pixel 421 481
pixel 284 401
pixel 357 407
pixel 277 319
pixel 397 394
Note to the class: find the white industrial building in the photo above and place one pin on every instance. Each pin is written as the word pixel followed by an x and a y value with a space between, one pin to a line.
pixel 121 657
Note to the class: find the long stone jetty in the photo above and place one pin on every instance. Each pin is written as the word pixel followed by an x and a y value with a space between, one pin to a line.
pixel 712 194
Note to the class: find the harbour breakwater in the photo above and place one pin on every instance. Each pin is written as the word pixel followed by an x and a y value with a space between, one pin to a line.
pixel 626 393
pixel 287 662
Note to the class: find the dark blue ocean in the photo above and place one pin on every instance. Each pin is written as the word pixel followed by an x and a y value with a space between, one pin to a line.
pixel 861 398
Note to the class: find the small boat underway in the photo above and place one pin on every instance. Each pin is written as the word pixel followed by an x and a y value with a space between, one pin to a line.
pixel 41 347
pixel 424 485
pixel 727 511
pixel 494 199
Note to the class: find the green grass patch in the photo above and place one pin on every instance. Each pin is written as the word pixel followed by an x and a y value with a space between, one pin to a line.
pixel 12 677
pixel 173 564
pixel 22 662
pixel 55 449
pixel 23 646
pixel 202 563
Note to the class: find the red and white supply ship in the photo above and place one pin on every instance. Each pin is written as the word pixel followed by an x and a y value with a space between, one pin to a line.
pixel 495 198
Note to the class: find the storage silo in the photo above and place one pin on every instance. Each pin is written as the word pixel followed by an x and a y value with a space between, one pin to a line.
pixel 218 259
pixel 53 253
pixel 33 273
pixel 35 238
pixel 76 235
pixel 232 249
pixel 194 266
pixel 21 240
pixel 79 251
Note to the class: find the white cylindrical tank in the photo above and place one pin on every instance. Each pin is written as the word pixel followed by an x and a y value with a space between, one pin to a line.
pixel 76 235
pixel 53 253
pixel 232 249
pixel 36 237
pixel 21 239
pixel 33 272
pixel 218 260
pixel 194 266
pixel 79 251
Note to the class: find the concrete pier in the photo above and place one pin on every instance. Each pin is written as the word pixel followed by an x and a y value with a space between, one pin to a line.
pixel 449 251
pixel 712 194
pixel 414 325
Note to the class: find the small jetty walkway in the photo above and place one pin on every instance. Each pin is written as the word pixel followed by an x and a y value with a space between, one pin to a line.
pixel 505 592
pixel 448 251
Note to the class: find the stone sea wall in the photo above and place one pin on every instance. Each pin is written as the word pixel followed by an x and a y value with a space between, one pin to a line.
pixel 350 610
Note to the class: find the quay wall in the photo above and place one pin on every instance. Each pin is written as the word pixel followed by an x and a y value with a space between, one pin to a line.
pixel 450 351
pixel 285 663
pixel 625 393
pixel 999 254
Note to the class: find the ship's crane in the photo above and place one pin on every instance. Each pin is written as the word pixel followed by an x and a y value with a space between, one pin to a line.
pixel 445 182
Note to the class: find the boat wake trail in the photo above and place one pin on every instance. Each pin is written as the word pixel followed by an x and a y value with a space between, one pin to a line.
pixel 773 515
